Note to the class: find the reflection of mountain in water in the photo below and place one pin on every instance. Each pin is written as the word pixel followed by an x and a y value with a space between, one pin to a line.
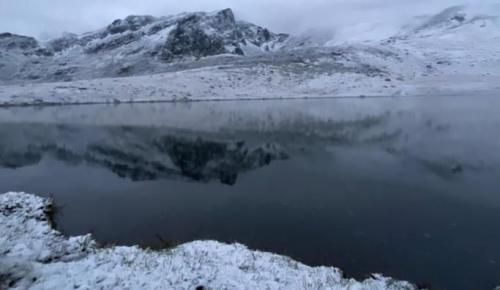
pixel 15 160
pixel 198 159
pixel 166 157
pixel 151 153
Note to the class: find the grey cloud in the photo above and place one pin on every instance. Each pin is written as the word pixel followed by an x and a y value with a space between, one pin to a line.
pixel 51 17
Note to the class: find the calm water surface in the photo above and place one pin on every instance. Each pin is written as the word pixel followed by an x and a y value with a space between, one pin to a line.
pixel 405 187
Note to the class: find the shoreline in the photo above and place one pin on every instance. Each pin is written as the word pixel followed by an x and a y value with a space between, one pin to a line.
pixel 242 84
pixel 485 93
pixel 34 255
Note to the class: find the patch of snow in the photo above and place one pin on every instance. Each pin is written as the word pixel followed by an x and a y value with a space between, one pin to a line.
pixel 160 36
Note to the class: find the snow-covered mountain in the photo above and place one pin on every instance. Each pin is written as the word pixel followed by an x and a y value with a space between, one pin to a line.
pixel 454 19
pixel 134 45
pixel 194 56
pixel 460 45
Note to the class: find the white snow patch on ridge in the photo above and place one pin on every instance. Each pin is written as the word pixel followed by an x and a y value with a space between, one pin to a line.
pixel 35 256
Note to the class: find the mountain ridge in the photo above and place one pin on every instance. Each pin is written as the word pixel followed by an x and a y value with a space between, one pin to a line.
pixel 201 56
pixel 125 43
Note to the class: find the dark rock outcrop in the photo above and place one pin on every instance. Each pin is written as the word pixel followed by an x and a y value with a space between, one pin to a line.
pixel 192 41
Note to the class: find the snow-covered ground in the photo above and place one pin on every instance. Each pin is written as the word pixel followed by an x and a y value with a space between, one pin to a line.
pixel 33 255
pixel 212 83
pixel 259 82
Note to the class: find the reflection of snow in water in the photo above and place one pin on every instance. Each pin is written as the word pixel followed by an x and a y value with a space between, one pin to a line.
pixel 343 153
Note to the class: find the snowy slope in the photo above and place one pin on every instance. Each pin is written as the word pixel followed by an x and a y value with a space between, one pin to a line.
pixel 453 51
pixel 460 45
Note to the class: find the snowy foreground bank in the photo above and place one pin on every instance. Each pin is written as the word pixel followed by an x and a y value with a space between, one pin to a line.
pixel 35 256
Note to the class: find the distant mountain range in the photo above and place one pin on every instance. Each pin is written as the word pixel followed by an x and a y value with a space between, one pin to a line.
pixel 458 39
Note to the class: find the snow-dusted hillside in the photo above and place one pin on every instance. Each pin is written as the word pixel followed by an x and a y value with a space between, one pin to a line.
pixel 207 56
pixel 460 45
pixel 452 52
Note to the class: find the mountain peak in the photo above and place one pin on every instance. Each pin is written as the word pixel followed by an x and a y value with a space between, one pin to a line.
pixel 226 15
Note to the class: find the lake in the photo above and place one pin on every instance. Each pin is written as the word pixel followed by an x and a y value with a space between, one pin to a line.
pixel 406 187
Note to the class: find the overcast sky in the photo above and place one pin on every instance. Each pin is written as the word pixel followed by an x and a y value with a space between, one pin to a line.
pixel 51 17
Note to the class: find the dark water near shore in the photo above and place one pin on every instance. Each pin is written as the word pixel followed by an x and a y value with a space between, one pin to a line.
pixel 407 187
